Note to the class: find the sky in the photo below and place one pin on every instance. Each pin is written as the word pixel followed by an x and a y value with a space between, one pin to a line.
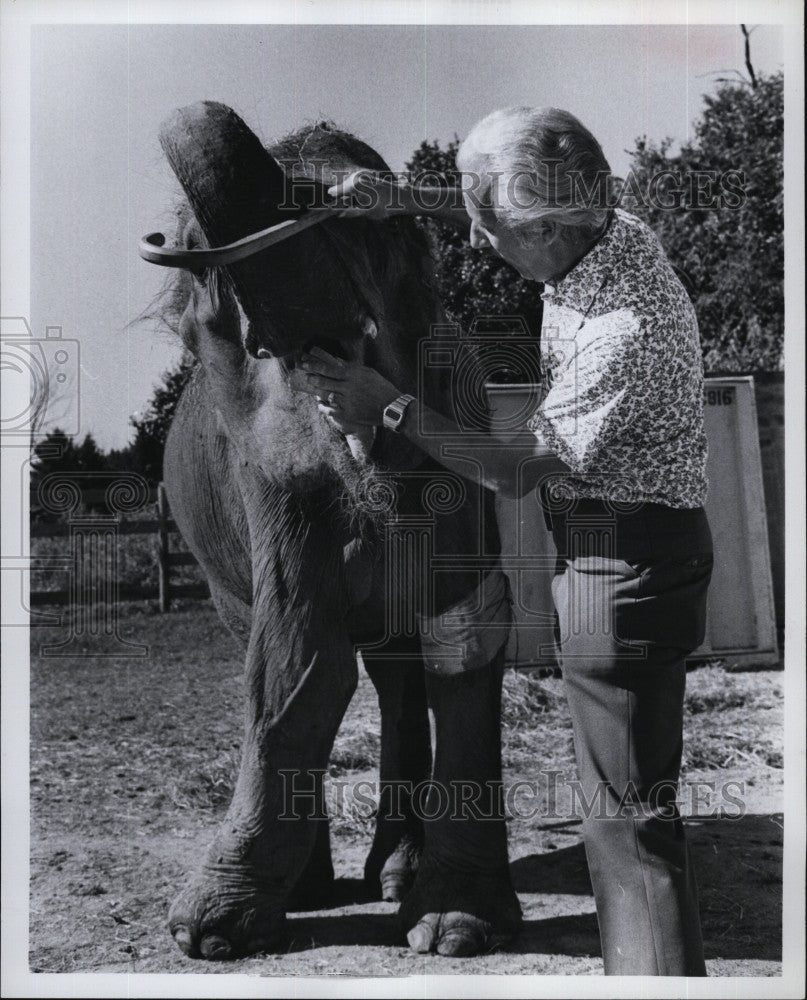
pixel 100 92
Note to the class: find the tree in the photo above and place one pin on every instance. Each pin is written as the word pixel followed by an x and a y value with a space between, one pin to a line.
pixel 151 429
pixel 733 255
pixel 56 452
pixel 732 251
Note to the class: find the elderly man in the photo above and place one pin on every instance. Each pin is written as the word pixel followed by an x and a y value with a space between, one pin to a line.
pixel 618 450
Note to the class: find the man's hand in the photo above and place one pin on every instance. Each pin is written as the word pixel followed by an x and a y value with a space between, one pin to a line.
pixel 351 395
pixel 364 193
pixel 355 395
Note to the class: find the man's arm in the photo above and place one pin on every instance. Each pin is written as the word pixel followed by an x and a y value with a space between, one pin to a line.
pixel 512 468
pixel 358 396
pixel 379 198
pixel 448 208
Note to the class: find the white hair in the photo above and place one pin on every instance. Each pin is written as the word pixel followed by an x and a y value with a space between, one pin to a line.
pixel 537 163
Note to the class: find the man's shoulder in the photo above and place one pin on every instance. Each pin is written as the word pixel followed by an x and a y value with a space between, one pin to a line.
pixel 643 273
pixel 637 236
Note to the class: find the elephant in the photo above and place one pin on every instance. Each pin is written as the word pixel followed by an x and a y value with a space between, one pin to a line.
pixel 318 546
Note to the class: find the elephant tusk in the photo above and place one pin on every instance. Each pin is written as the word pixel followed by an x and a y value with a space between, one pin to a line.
pixel 361 445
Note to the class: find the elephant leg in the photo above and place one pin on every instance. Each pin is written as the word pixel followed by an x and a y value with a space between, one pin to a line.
pixel 405 763
pixel 463 900
pixel 314 888
pixel 300 675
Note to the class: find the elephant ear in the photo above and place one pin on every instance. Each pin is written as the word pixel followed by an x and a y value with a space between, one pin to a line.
pixel 234 187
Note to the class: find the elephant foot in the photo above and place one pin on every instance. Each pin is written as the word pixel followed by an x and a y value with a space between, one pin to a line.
pixel 459 914
pixel 222 916
pixel 390 874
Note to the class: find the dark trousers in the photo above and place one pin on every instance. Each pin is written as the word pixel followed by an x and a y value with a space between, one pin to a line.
pixel 630 592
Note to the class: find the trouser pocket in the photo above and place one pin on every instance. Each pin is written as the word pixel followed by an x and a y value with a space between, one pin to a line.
pixel 670 604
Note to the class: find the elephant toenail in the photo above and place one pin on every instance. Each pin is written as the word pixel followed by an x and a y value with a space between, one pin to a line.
pixel 184 941
pixel 459 945
pixel 215 948
pixel 394 886
pixel 420 938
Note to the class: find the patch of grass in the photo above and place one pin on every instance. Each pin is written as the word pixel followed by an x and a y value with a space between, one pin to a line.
pixel 710 701
pixel 136 557
pixel 355 752
pixel 536 726
pixel 717 750
pixel 525 696
pixel 712 688
pixel 732 720
pixel 209 786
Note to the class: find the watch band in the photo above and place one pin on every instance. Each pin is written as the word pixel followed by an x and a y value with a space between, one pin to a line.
pixel 395 411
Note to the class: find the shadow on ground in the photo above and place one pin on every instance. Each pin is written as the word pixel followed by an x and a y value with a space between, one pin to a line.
pixel 738 865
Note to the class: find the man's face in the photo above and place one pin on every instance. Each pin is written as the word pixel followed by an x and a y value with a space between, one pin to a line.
pixel 535 261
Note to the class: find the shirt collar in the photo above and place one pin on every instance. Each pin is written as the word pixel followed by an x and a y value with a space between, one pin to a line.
pixel 578 288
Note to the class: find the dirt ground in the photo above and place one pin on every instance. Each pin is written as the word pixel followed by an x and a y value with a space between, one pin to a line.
pixel 132 762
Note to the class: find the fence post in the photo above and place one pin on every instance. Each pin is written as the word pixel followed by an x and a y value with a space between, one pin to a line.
pixel 162 554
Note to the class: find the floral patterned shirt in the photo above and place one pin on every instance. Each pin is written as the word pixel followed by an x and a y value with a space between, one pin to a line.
pixel 623 403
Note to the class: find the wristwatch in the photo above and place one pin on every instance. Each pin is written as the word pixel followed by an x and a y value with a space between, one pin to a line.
pixel 395 411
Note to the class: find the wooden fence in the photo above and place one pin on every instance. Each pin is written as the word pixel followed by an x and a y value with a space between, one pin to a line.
pixel 769 398
pixel 98 534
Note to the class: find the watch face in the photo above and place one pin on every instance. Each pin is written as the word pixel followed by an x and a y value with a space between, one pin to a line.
pixel 393 415
pixel 394 412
